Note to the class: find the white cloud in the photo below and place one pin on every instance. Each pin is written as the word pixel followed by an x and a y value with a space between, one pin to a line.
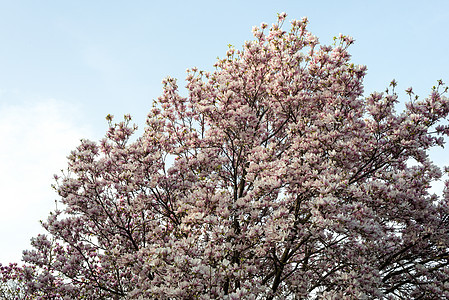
pixel 35 141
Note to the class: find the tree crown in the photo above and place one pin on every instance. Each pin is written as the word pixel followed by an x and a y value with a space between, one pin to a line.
pixel 273 178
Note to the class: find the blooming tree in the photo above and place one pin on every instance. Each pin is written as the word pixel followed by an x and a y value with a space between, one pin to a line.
pixel 274 178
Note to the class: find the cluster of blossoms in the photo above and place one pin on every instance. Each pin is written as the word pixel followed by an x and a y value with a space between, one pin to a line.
pixel 273 179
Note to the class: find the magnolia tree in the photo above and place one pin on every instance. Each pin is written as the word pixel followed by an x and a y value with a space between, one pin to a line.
pixel 274 178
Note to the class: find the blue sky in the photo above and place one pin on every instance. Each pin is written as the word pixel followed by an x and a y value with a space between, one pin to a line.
pixel 65 65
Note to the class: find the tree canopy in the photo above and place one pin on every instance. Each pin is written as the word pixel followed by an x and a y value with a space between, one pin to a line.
pixel 274 178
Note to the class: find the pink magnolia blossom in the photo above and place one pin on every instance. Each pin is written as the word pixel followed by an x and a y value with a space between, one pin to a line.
pixel 275 178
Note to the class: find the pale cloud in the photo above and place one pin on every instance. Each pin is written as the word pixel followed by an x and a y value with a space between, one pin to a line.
pixel 36 138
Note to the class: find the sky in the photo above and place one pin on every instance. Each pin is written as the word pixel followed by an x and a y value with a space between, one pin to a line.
pixel 65 65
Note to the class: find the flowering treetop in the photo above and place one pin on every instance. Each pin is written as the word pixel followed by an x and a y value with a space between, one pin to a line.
pixel 275 178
